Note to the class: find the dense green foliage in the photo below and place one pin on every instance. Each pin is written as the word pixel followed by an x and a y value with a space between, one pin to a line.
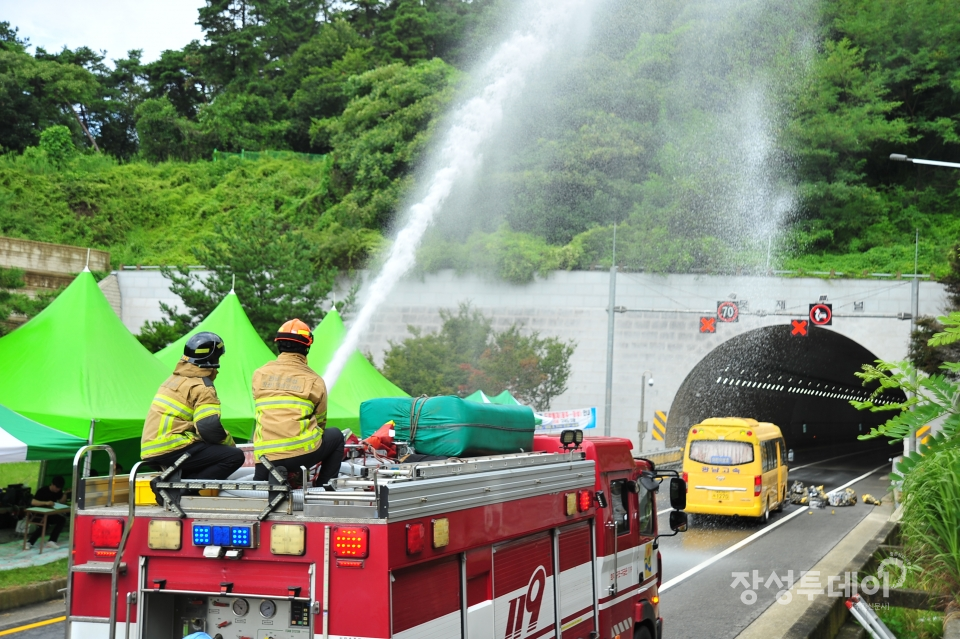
pixel 467 355
pixel 273 269
pixel 930 475
pixel 747 134
pixel 15 304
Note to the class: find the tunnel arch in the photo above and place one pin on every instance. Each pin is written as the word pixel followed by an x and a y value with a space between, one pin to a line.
pixel 802 384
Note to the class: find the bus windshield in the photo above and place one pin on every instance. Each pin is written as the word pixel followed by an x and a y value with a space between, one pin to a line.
pixel 721 453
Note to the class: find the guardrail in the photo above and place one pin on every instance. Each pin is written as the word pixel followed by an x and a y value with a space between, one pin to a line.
pixel 663 457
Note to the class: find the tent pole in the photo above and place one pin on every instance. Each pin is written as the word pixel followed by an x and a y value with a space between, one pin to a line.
pixel 42 473
pixel 86 463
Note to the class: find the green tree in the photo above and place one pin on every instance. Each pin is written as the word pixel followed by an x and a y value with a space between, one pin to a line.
pixel 36 92
pixel 57 143
pixel 929 398
pixel 166 135
pixel 176 76
pixel 380 136
pixel 468 355
pixel 16 304
pixel 268 264
pixel 930 475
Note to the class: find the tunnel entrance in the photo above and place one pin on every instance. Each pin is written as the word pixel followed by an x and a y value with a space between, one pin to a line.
pixel 802 384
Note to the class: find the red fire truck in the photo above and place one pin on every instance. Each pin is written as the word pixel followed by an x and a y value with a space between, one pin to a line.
pixel 558 542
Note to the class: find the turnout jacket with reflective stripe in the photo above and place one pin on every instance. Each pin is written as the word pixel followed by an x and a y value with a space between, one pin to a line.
pixel 185 410
pixel 291 407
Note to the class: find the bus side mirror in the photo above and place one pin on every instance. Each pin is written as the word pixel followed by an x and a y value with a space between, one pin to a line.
pixel 678 521
pixel 790 455
pixel 678 494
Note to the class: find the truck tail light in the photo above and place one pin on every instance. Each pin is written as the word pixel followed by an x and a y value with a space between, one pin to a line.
pixel 416 536
pixel 106 533
pixel 757 485
pixel 584 500
pixel 351 541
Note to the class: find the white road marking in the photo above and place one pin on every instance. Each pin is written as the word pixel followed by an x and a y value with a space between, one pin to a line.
pixel 737 546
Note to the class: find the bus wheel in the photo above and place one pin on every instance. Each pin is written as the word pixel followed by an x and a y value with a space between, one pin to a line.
pixel 765 515
pixel 779 506
pixel 642 632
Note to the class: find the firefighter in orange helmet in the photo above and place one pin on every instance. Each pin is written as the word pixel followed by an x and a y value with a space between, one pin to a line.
pixel 291 411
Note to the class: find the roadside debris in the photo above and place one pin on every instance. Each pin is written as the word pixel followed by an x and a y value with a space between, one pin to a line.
pixel 867 498
pixel 846 497
pixel 797 494
pixel 816 497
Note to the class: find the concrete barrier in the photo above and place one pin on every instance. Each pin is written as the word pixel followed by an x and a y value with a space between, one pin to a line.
pixel 666 457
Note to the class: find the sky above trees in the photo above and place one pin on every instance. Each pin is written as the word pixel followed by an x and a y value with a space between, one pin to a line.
pixel 115 26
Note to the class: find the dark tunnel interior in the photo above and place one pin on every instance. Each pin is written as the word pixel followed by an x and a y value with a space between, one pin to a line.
pixel 802 384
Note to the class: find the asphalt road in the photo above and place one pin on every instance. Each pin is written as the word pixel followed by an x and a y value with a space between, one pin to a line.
pixel 701 596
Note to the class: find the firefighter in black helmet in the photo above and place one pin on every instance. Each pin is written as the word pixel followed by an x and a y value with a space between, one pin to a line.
pixel 185 416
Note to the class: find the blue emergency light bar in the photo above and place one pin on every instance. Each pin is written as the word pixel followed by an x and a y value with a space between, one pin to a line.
pixel 232 536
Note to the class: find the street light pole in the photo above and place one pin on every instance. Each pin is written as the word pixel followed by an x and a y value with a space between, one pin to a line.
pixel 642 426
pixel 910 443
pixel 899 157
pixel 608 404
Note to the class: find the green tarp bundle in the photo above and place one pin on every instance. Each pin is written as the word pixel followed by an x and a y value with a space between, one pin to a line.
pixel 359 380
pixel 23 439
pixel 504 398
pixel 76 362
pixel 451 426
pixel 245 353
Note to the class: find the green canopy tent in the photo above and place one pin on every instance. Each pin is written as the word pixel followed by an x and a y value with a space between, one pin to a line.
pixel 76 362
pixel 23 439
pixel 504 398
pixel 358 382
pixel 245 353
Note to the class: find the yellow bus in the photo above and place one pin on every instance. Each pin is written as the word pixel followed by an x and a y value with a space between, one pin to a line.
pixel 735 466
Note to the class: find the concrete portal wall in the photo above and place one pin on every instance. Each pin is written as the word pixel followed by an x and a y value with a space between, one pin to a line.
pixel 50 258
pixel 141 293
pixel 659 333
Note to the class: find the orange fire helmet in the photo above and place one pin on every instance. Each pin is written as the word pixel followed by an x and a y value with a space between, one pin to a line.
pixel 295 331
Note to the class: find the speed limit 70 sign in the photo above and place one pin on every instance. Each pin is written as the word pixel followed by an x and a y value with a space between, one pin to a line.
pixel 728 311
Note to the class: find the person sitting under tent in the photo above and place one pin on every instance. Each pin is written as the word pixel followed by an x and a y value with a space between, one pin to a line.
pixel 291 411
pixel 185 416
pixel 47 497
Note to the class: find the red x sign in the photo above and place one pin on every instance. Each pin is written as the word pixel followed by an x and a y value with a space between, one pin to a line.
pixel 708 324
pixel 799 327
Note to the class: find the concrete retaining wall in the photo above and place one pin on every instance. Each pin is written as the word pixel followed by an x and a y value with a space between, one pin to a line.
pixel 50 258
pixel 659 334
